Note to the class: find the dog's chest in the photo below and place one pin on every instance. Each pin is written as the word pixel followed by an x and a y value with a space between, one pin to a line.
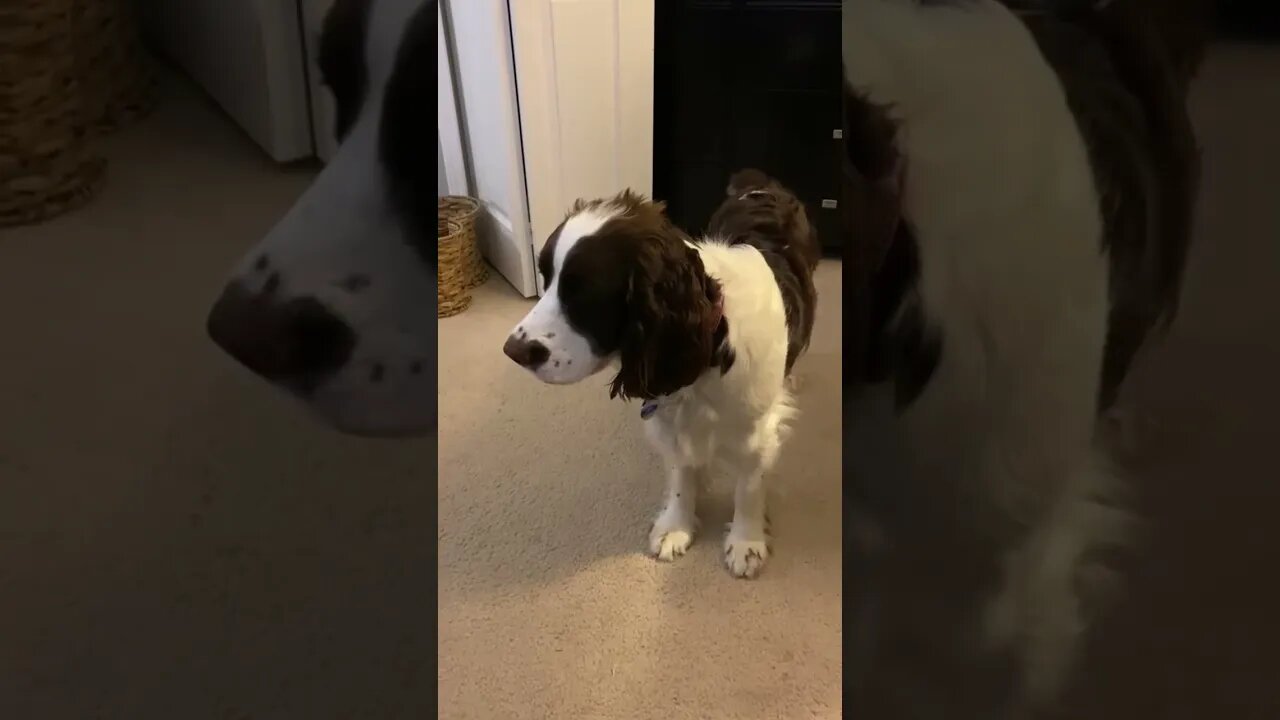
pixel 697 423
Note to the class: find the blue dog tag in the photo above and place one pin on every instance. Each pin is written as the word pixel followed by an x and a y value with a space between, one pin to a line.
pixel 648 409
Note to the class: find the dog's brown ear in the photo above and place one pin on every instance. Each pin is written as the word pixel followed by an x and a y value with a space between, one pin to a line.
pixel 665 345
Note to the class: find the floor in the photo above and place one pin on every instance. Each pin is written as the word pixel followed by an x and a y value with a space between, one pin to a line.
pixel 548 606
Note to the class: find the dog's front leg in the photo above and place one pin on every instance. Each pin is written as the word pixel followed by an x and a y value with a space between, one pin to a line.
pixel 673 530
pixel 746 547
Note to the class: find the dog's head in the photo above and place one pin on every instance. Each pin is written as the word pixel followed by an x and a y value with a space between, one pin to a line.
pixel 622 283
pixel 337 303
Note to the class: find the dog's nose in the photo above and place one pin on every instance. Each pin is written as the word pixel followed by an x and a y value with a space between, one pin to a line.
pixel 298 341
pixel 528 353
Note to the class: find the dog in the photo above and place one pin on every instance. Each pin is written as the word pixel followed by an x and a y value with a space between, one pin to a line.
pixel 336 304
pixel 704 333
pixel 1021 178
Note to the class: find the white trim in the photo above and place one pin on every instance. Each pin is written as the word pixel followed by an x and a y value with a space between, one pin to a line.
pixel 534 48
pixel 451 153
pixel 490 122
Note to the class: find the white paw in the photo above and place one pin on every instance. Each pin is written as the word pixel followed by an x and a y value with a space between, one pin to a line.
pixel 670 537
pixel 745 554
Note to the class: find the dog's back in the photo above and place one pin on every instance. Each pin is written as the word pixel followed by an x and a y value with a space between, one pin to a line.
pixel 759 211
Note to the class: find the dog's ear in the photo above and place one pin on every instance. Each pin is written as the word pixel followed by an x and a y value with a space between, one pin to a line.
pixel 665 345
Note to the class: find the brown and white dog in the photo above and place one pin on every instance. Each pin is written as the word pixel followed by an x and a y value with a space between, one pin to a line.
pixel 704 331
pixel 1021 180
pixel 336 304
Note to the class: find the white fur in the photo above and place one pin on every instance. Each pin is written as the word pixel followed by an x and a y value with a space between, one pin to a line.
pixel 1002 200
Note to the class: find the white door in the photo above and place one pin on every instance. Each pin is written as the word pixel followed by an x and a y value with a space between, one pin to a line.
pixel 584 72
pixel 485 95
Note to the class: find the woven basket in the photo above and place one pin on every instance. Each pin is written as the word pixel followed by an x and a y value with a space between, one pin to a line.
pixel 465 210
pixel 116 75
pixel 453 271
pixel 45 166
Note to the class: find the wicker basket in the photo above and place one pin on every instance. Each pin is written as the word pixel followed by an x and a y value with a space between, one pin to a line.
pixel 116 75
pixel 45 166
pixel 453 272
pixel 465 210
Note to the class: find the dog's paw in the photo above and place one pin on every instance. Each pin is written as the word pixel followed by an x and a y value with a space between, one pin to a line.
pixel 670 538
pixel 745 555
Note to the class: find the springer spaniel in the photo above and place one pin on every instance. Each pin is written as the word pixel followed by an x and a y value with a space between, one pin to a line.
pixel 335 304
pixel 1022 177
pixel 704 332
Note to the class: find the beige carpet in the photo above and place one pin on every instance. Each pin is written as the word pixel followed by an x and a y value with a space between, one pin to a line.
pixel 548 606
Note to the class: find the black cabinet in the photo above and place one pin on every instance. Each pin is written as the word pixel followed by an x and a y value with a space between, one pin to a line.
pixel 742 83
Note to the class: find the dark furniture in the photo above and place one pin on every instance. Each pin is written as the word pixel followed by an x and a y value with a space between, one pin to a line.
pixel 747 83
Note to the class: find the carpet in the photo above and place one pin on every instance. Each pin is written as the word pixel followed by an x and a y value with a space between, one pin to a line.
pixel 549 607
